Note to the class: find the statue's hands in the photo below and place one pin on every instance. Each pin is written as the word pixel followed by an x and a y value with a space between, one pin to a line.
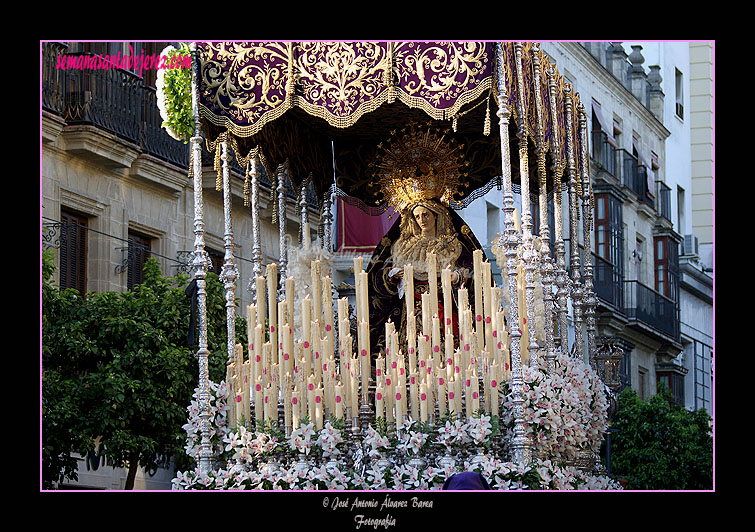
pixel 396 275
pixel 454 277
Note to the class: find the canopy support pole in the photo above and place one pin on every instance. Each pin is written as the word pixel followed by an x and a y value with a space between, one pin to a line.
pixel 520 443
pixel 199 263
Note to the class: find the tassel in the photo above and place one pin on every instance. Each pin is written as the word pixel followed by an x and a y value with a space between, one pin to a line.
pixel 219 178
pixel 486 129
pixel 247 188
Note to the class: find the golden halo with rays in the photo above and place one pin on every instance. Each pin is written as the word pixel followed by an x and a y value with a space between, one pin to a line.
pixel 417 163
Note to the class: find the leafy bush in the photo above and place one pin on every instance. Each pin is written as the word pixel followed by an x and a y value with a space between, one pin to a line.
pixel 118 372
pixel 661 447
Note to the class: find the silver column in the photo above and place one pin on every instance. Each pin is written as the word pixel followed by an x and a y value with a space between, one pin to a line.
pixel 561 280
pixel 254 207
pixel 520 444
pixel 576 285
pixel 283 255
pixel 528 253
pixel 229 273
pixel 199 263
pixel 590 301
pixel 546 263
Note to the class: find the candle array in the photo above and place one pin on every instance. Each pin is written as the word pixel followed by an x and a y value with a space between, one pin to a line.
pixel 297 373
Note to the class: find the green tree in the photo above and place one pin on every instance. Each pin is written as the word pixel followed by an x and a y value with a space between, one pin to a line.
pixel 118 373
pixel 659 446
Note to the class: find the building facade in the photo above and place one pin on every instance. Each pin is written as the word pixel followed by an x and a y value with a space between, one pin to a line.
pixel 114 190
pixel 652 174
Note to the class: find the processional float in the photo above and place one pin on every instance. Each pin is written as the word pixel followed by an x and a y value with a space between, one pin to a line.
pixel 315 114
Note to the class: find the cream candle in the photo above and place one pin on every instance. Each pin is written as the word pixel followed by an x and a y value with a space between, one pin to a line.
pixel 432 282
pixel 295 409
pixel 422 402
pixel 316 290
pixel 259 283
pixel 272 278
pixel 318 408
pixel 447 300
pixel 306 239
pixel 409 289
pixel 379 406
pixel 442 395
pixel 414 399
pixel 259 407
pixel 339 400
pixel 436 354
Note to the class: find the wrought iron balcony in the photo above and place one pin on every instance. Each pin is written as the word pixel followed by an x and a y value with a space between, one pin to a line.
pixel 608 282
pixel 604 153
pixel 634 176
pixel 664 200
pixel 651 308
pixel 114 100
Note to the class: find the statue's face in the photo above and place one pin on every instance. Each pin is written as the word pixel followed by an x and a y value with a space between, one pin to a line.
pixel 425 219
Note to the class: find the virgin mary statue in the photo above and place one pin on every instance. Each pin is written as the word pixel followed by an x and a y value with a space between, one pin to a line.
pixel 418 174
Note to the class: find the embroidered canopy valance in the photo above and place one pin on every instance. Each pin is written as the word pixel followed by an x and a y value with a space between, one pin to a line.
pixel 323 108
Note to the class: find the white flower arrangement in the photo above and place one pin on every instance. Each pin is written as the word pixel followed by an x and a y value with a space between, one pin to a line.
pixel 565 411
pixel 219 429
pixel 174 96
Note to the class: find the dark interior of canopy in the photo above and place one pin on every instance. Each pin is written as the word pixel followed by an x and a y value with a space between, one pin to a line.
pixel 331 155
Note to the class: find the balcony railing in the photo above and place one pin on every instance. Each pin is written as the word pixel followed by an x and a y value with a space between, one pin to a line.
pixel 635 176
pixel 608 282
pixel 604 153
pixel 114 100
pixel 53 86
pixel 651 308
pixel 664 200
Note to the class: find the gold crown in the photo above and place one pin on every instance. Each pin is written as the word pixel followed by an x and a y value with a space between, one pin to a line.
pixel 419 163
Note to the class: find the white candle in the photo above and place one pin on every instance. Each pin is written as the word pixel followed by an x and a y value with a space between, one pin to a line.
pixel 423 402
pixel 436 354
pixel 379 408
pixel 411 339
pixel 318 408
pixel 452 397
pixel 442 397
pixel 358 287
pixel 409 289
pixel 432 281
pixel 272 309
pixel 354 388
pixel 365 300
pixel 487 305
pixel 494 385
pixel 260 299
pixel 311 399
pixel 413 389
pixel 281 330
pixel 426 315
pixel 364 355
pixel 295 409
pixel 447 300
pixel 316 289
pixel 305 235
pixel 251 320
pixel 339 400
pixel 259 407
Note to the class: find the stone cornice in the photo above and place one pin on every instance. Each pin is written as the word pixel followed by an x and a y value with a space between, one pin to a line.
pixel 609 81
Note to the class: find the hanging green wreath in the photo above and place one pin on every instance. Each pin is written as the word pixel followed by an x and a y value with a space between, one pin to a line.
pixel 174 96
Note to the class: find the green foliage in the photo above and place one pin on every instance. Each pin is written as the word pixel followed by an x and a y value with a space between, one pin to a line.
pixel 117 369
pixel 661 447
pixel 176 88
